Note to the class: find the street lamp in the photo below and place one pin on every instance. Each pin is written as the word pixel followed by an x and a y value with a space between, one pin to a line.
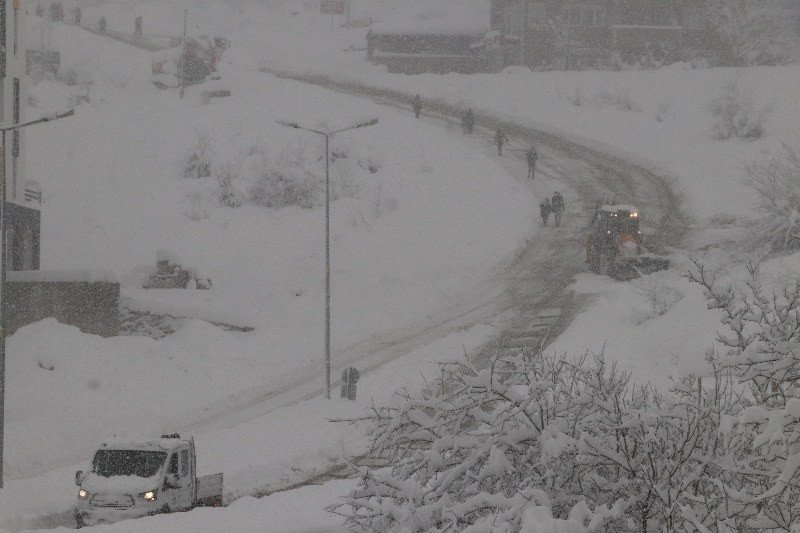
pixel 4 129
pixel 327 135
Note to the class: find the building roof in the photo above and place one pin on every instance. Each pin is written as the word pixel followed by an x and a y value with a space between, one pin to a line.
pixel 157 445
pixel 438 26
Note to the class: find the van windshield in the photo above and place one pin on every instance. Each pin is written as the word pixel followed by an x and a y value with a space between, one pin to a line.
pixel 139 463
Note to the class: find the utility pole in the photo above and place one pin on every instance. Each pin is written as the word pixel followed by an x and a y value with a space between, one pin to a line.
pixel 3 261
pixel 183 53
pixel 328 135
pixel 526 28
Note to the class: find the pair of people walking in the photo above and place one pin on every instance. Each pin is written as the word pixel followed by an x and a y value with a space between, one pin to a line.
pixel 554 206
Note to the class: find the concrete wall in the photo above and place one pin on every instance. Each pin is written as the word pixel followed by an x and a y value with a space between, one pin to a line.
pixel 91 306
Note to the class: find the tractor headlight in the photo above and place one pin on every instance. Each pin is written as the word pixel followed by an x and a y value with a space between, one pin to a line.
pixel 149 496
pixel 83 494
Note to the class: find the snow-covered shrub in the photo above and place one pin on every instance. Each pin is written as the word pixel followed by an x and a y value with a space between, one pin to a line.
pixel 735 114
pixel 751 33
pixel 275 189
pixel 227 193
pixel 480 448
pixel 777 182
pixel 348 182
pixel 758 459
pixel 659 297
pixel 197 163
pixel 290 177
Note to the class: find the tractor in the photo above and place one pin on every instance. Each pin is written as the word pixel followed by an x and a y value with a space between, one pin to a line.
pixel 614 245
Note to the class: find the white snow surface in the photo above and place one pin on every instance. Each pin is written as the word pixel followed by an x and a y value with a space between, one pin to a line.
pixel 407 242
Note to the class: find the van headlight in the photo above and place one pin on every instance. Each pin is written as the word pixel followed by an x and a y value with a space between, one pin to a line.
pixel 83 494
pixel 149 496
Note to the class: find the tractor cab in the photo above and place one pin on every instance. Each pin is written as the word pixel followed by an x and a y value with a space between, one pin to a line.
pixel 617 227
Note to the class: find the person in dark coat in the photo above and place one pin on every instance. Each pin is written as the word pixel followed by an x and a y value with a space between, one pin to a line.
pixel 137 26
pixel 56 12
pixel 468 122
pixel 531 156
pixel 544 210
pixel 499 140
pixel 417 106
pixel 558 207
pixel 102 24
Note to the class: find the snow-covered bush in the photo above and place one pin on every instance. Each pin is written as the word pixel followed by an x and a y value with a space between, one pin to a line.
pixel 227 193
pixel 660 297
pixel 735 114
pixel 282 182
pixel 197 163
pixel 758 455
pixel 480 448
pixel 751 33
pixel 777 182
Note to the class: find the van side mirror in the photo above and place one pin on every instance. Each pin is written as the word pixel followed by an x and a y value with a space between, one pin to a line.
pixel 79 477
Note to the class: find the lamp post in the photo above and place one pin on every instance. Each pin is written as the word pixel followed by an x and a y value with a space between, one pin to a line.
pixel 4 129
pixel 327 135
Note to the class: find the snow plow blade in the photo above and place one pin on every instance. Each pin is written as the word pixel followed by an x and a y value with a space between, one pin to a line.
pixel 627 268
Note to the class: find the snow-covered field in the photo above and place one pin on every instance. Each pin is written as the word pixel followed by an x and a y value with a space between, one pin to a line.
pixel 410 241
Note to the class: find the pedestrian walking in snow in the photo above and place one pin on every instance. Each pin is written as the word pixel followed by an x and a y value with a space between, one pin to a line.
pixel 417 106
pixel 544 210
pixel 137 26
pixel 468 122
pixel 499 139
pixel 77 13
pixel 558 207
pixel 102 24
pixel 56 12
pixel 531 156
pixel 39 10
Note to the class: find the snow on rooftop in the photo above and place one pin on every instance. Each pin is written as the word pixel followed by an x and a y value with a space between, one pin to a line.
pixel 439 26
pixel 52 276
pixel 151 444
pixel 618 207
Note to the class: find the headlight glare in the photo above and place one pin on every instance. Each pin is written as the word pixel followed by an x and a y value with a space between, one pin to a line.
pixel 149 496
pixel 83 494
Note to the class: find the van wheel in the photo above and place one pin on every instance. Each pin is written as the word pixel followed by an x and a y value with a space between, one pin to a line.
pixel 166 509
